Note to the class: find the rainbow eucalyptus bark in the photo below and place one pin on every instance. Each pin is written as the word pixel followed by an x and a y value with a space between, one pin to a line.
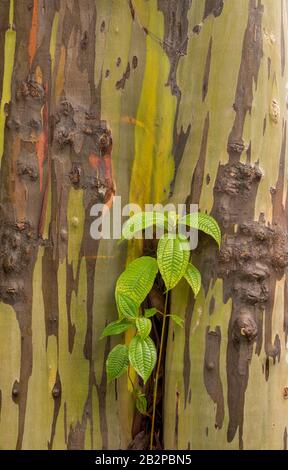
pixel 225 372
pixel 161 101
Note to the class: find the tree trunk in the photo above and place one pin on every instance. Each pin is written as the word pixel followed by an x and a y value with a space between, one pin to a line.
pixel 226 380
pixel 193 95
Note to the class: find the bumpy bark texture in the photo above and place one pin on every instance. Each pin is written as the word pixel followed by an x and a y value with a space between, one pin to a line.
pixel 158 101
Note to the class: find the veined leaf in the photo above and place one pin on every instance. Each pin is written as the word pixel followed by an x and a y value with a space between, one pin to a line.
pixel 116 328
pixel 126 306
pixel 178 320
pixel 143 326
pixel 204 222
pixel 173 257
pixel 117 362
pixel 141 402
pixel 137 279
pixel 150 312
pixel 143 356
pixel 193 277
pixel 141 221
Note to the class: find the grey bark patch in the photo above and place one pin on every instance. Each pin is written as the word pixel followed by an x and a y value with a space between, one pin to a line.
pixel 264 125
pixel 175 35
pixel 134 62
pixel 175 45
pixel 56 394
pixel 120 84
pixel 212 305
pixel 132 10
pixel 213 7
pixel 212 379
pixel 247 77
pixel 235 193
pixel 269 67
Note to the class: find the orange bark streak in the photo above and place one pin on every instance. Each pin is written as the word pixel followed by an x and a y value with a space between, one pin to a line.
pixel 94 160
pixel 42 144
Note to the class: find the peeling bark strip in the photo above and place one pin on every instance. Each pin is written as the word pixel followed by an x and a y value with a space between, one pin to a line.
pixel 247 78
pixel 175 35
pixel 120 85
pixel 175 46
pixel 207 72
pixel 212 377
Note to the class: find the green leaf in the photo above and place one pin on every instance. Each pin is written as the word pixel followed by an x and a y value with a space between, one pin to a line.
pixel 141 221
pixel 137 279
pixel 178 320
pixel 143 326
pixel 150 312
pixel 127 307
pixel 143 356
pixel 116 328
pixel 203 222
pixel 117 362
pixel 141 402
pixel 193 277
pixel 173 256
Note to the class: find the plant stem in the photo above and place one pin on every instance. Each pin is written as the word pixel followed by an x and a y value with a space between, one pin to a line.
pixel 131 381
pixel 158 371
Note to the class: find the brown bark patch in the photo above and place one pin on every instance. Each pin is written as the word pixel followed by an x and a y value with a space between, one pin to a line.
pixel 212 379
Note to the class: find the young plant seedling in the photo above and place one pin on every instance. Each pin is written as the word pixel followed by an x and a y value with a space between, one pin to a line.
pixel 135 283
